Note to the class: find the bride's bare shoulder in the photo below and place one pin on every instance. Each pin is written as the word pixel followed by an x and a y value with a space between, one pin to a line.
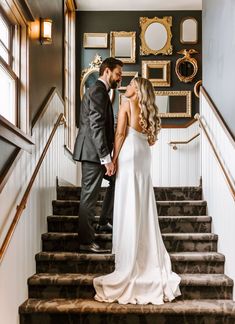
pixel 125 107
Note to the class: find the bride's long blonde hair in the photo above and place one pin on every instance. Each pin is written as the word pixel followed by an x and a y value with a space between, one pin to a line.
pixel 149 119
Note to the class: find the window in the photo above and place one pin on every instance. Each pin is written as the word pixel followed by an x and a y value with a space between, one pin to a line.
pixel 14 65
pixel 5 39
pixel 8 79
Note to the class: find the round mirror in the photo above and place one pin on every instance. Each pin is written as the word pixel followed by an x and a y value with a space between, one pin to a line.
pixel 156 36
pixel 186 68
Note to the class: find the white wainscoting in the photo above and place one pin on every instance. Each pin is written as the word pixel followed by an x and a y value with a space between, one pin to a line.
pixel 221 205
pixel 179 167
pixel 19 263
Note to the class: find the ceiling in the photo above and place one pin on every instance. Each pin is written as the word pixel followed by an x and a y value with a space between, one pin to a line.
pixel 138 5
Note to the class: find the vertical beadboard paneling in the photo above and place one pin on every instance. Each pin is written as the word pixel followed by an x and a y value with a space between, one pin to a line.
pixel 19 263
pixel 221 205
pixel 179 167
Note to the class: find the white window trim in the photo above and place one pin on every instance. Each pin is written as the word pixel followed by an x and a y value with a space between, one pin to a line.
pixel 70 73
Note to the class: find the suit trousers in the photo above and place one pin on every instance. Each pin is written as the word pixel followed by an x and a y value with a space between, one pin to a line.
pixel 92 175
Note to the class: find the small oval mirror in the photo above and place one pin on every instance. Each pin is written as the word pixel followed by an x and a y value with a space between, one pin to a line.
pixel 156 36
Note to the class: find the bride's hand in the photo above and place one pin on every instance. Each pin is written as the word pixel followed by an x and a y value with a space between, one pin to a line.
pixel 115 165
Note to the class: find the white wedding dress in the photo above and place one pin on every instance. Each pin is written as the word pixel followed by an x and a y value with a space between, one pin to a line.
pixel 142 265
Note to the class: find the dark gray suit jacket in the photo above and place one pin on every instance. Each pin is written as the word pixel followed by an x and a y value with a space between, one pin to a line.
pixel 96 125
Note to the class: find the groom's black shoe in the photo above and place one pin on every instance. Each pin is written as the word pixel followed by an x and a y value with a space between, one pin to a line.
pixel 107 228
pixel 92 248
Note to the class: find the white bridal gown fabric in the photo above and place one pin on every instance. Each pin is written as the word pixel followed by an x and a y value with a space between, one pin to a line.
pixel 142 265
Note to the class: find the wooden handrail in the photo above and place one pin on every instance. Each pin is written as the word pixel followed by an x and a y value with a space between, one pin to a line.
pixel 229 181
pixel 60 121
pixel 182 142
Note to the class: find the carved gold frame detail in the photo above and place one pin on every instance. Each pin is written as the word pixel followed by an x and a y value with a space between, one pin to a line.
pixel 186 58
pixel 94 66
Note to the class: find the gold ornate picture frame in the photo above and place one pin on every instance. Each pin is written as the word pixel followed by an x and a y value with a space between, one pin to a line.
pixel 95 40
pixel 89 76
pixel 126 78
pixel 162 67
pixel 173 104
pixel 186 67
pixel 160 34
pixel 123 46
pixel 189 30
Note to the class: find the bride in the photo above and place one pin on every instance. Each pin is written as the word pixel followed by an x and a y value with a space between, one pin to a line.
pixel 142 265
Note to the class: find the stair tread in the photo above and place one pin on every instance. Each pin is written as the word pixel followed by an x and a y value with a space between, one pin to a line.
pixel 172 236
pixel 87 279
pixel 78 306
pixel 159 202
pixel 161 218
pixel 179 256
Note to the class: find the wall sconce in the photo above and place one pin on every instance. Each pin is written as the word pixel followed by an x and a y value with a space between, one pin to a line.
pixel 45 31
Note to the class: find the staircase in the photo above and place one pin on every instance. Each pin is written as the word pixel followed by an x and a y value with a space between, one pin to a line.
pixel 61 291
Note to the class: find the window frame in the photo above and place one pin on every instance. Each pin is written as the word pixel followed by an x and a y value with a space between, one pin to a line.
pixel 70 73
pixel 18 66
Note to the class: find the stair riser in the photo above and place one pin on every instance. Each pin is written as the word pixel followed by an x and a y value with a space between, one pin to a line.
pixel 62 318
pixel 71 245
pixel 51 266
pixel 166 227
pixel 160 194
pixel 186 210
pixel 72 209
pixel 78 291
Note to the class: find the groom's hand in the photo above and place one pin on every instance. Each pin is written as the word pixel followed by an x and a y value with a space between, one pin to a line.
pixel 110 169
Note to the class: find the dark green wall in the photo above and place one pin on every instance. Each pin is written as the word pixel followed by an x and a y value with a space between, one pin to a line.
pixel 218 56
pixel 46 61
pixel 100 21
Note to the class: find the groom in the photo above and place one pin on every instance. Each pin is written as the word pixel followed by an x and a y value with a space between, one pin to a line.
pixel 93 148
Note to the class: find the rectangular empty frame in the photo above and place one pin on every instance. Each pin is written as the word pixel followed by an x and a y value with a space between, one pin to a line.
pixel 158 72
pixel 174 103
pixel 127 76
pixel 123 45
pixel 95 40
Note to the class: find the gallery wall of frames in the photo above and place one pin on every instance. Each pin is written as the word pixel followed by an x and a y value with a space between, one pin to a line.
pixel 163 46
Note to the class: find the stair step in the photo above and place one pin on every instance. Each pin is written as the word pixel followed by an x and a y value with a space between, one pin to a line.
pixel 161 193
pixel 165 208
pixel 79 311
pixel 182 208
pixel 68 262
pixel 168 224
pixel 69 285
pixel 175 242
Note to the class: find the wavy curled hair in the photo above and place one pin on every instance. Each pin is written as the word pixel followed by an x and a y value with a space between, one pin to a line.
pixel 149 119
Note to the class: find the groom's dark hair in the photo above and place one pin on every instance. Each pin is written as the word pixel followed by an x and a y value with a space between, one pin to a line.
pixel 110 63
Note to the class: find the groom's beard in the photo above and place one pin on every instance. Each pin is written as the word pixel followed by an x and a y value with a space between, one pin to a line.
pixel 113 84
